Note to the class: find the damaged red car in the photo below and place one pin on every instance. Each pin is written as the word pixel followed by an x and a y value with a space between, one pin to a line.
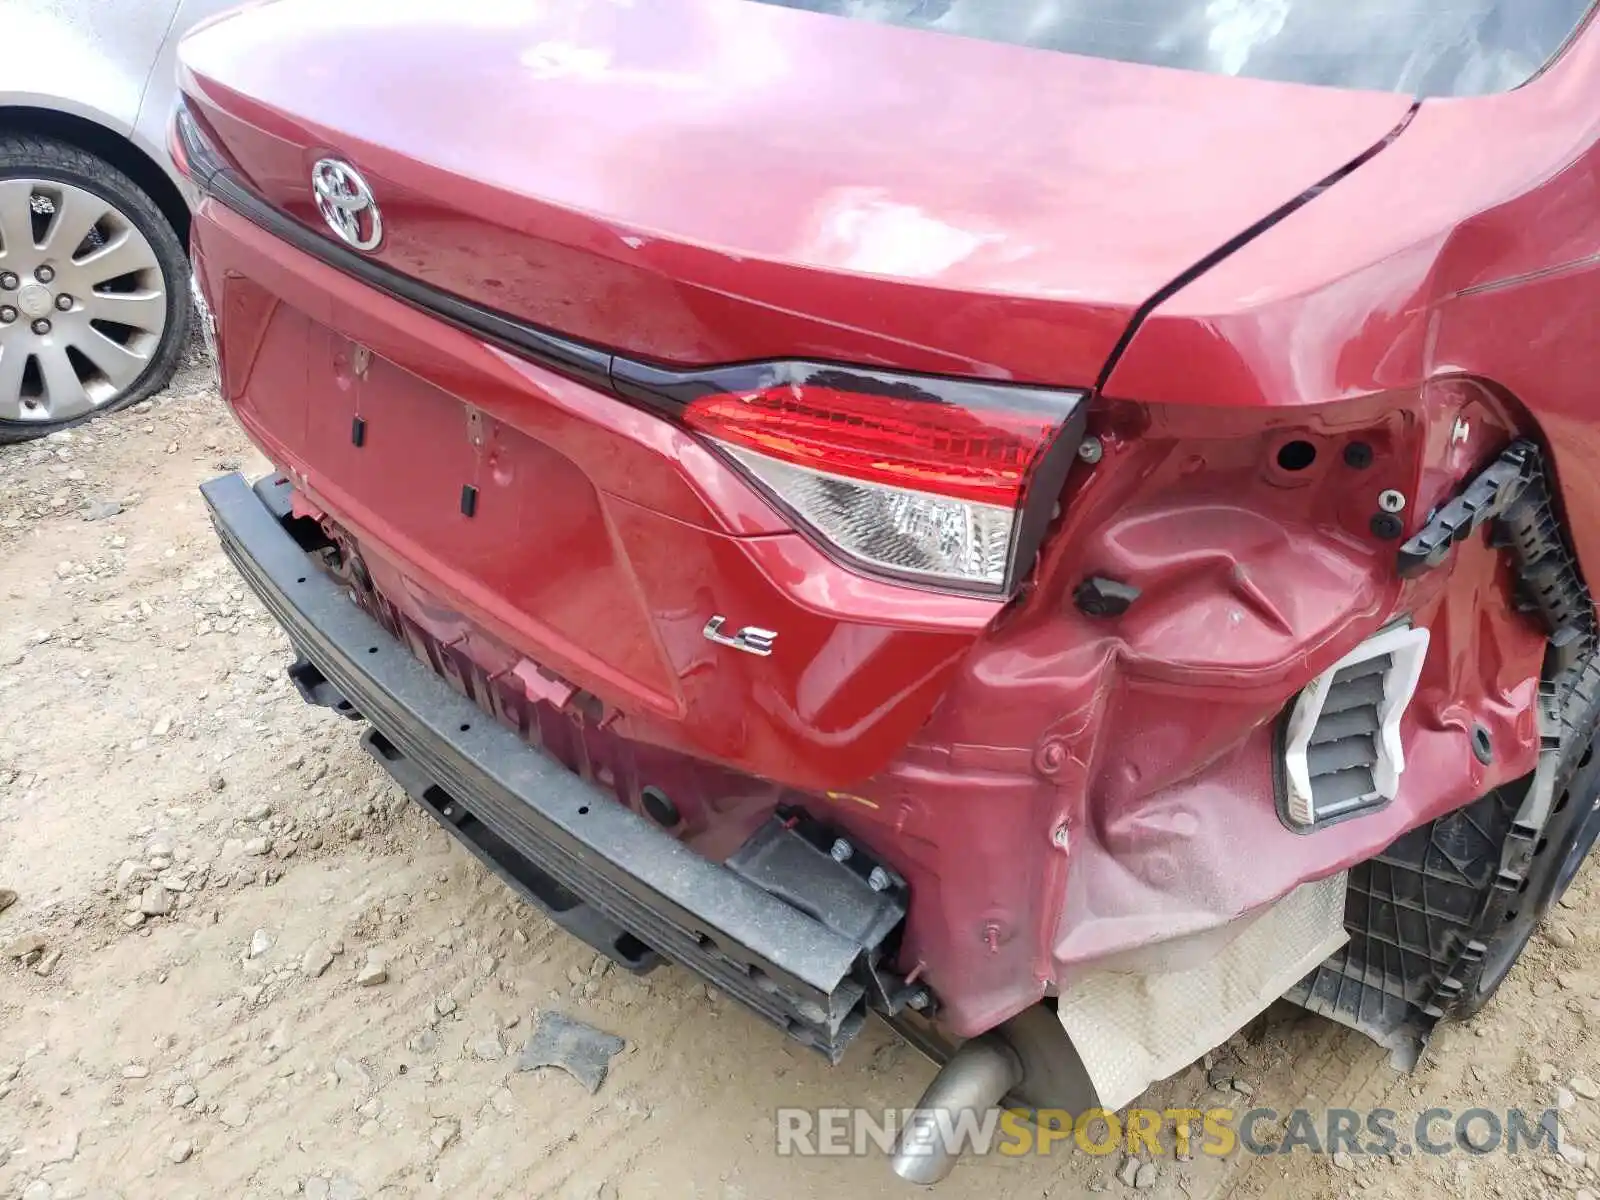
pixel 1057 525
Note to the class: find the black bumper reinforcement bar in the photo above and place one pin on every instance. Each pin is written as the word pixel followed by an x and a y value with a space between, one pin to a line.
pixel 606 874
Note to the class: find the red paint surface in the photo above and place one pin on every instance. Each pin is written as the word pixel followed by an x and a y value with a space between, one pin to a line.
pixel 647 178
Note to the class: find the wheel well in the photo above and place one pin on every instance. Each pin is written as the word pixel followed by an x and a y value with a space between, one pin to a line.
pixel 115 149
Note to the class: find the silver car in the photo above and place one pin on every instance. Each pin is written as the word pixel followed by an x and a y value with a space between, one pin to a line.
pixel 94 274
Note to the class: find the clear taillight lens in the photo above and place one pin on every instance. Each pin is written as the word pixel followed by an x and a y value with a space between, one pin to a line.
pixel 917 477
pixel 915 532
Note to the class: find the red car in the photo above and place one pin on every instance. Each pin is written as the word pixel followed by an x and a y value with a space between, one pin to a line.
pixel 1055 524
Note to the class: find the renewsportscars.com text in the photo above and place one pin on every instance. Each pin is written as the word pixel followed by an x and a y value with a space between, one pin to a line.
pixel 1184 1132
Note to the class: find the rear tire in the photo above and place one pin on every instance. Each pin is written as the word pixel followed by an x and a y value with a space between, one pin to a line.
pixel 151 350
pixel 1568 837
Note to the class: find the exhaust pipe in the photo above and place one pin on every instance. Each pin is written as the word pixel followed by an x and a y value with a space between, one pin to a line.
pixel 977 1077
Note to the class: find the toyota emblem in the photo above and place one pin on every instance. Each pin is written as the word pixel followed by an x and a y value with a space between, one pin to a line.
pixel 346 204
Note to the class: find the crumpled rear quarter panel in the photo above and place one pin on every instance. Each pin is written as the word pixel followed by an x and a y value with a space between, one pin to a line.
pixel 1099 792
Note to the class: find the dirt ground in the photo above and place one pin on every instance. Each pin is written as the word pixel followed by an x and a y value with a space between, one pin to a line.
pixel 153 755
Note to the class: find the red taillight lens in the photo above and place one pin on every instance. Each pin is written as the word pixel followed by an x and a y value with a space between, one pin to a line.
pixel 927 447
pixel 941 480
pixel 192 152
pixel 178 151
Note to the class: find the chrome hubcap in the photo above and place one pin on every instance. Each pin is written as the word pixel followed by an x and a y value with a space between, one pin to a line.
pixel 88 290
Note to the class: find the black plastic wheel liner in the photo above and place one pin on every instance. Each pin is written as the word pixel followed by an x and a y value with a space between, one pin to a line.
pixel 1414 912
pixel 1437 918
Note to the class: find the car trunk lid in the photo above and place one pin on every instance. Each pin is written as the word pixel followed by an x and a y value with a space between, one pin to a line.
pixel 705 181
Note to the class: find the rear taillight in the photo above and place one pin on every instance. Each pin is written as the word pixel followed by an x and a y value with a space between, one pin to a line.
pixel 177 151
pixel 193 155
pixel 944 481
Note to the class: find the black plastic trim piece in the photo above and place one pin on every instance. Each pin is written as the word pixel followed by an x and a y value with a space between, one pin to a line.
pixel 1099 596
pixel 202 162
pixel 1549 583
pixel 315 689
pixel 1485 496
pixel 783 963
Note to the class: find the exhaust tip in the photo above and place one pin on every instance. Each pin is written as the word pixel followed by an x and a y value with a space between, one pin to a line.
pixel 976 1079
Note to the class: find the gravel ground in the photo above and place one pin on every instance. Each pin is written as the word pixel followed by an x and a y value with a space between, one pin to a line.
pixel 240 964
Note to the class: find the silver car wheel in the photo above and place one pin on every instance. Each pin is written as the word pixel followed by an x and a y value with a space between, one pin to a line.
pixel 83 302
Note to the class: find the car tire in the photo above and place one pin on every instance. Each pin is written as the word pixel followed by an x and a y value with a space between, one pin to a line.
pixel 1563 846
pixel 57 167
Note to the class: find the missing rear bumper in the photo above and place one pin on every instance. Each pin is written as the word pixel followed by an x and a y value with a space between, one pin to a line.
pixel 600 870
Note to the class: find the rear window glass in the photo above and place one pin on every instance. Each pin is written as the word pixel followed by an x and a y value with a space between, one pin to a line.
pixel 1421 47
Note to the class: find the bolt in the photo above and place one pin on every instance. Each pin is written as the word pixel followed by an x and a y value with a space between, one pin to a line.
pixel 1386 526
pixel 64 302
pixel 7 314
pixel 841 851
pixel 1392 501
pixel 41 327
pixel 878 880
pixel 918 999
pixel 45 274
pixel 1091 450
pixel 9 281
pixel 1051 757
